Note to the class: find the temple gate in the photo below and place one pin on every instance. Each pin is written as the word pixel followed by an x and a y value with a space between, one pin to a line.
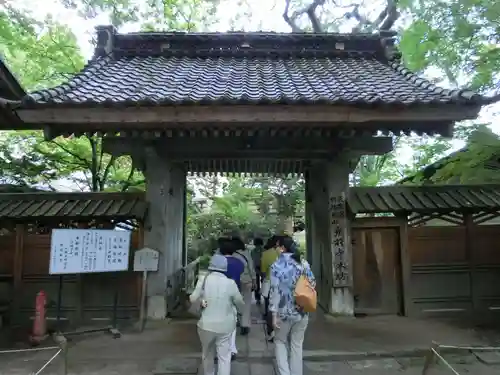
pixel 264 103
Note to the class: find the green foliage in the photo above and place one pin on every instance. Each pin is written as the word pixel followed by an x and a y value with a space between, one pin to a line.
pixel 152 15
pixel 460 38
pixel 410 154
pixel 30 160
pixel 477 163
pixel 41 54
pixel 234 210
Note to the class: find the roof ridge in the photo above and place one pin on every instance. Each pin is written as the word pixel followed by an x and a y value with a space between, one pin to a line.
pixel 186 44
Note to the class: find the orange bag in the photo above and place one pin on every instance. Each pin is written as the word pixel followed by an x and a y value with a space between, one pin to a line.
pixel 305 295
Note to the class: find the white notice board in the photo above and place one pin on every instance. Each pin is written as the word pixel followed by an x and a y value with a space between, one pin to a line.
pixel 146 259
pixel 88 250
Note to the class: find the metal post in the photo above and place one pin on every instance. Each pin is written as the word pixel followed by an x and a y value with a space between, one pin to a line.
pixel 59 303
pixel 115 303
pixel 142 314
pixel 64 347
pixel 429 358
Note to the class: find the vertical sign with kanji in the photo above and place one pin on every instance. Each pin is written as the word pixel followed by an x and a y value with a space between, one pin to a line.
pixel 339 234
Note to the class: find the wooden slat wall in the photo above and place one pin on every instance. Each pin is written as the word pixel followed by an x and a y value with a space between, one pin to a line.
pixel 454 270
pixel 86 299
pixel 485 251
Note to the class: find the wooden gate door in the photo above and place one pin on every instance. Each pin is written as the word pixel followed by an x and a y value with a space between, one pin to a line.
pixel 377 271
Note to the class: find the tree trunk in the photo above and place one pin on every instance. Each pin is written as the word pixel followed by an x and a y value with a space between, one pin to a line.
pixel 285 225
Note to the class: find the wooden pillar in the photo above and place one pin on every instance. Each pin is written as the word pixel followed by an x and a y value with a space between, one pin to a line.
pixel 316 188
pixel 309 219
pixel 184 233
pixel 328 183
pixel 165 192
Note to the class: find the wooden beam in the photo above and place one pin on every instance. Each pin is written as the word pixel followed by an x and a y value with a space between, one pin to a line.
pixel 129 117
pixel 369 145
pixel 251 147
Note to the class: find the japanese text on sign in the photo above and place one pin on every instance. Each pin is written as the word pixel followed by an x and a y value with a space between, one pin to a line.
pixel 146 260
pixel 88 250
pixel 339 240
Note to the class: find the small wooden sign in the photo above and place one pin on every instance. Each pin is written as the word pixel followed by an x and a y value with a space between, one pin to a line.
pixel 146 259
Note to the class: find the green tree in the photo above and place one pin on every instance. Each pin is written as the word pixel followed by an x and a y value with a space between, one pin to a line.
pixel 460 38
pixel 45 53
pixel 477 163
pixel 30 160
pixel 152 15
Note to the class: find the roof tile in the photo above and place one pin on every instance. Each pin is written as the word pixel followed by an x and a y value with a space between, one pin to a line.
pixel 424 199
pixel 72 206
pixel 160 69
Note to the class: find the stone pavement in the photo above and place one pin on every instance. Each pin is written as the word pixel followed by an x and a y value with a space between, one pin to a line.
pixel 372 346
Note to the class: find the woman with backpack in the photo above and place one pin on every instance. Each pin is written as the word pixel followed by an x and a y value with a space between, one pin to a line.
pixel 291 297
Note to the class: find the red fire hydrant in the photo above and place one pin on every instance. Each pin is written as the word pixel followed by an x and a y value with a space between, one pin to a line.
pixel 40 322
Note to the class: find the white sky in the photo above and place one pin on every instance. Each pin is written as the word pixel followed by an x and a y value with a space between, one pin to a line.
pixel 266 15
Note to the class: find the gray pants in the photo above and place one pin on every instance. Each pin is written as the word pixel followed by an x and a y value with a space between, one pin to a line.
pixel 246 292
pixel 215 343
pixel 288 342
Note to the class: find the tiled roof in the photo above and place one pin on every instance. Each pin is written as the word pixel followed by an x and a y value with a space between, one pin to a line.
pixel 73 206
pixel 424 199
pixel 246 68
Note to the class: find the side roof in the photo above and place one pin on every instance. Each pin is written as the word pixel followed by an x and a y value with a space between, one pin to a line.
pixel 10 88
pixel 10 91
pixel 150 69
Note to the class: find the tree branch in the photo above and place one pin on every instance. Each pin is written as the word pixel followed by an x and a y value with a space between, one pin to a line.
pixel 311 13
pixel 93 168
pixel 105 174
pixel 291 20
pixel 84 161
pixel 385 20
pixel 126 184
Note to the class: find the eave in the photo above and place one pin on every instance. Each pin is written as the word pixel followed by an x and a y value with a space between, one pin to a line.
pixel 421 119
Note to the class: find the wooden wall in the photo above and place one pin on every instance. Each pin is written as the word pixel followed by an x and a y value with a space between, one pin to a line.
pixel 376 269
pixel 447 271
pixel 86 299
pixel 455 270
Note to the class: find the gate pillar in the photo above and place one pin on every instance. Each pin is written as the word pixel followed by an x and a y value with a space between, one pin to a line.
pixel 331 241
pixel 165 193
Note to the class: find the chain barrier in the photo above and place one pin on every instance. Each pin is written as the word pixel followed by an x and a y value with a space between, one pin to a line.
pixel 434 355
pixel 61 349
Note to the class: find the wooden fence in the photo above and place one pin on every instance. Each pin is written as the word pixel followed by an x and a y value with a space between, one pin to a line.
pixel 455 269
pixel 86 298
pixel 431 271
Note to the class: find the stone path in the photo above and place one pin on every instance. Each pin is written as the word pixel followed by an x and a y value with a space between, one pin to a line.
pixel 172 348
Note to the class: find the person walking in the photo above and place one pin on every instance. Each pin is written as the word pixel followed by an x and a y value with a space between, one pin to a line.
pixel 289 320
pixel 248 281
pixel 258 248
pixel 268 257
pixel 235 269
pixel 220 300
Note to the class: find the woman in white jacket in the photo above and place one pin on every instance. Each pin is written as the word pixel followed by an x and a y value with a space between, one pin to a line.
pixel 220 301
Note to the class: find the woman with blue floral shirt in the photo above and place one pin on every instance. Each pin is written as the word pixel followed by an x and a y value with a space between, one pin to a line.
pixel 289 321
